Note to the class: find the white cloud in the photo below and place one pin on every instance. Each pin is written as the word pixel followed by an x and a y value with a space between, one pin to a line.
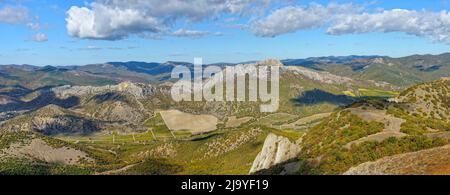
pixel 118 19
pixel 193 33
pixel 102 22
pixel 293 18
pixel 340 19
pixel 91 47
pixel 13 15
pixel 432 25
pixel 35 26
pixel 39 37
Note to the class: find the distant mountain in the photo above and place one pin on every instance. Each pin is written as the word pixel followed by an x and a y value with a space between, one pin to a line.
pixel 401 72
pixel 310 62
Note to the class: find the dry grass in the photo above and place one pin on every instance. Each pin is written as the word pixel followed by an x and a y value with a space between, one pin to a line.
pixel 234 122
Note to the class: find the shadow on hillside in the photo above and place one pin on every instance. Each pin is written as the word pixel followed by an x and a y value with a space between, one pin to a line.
pixel 44 99
pixel 110 96
pixel 70 125
pixel 317 96
pixel 15 91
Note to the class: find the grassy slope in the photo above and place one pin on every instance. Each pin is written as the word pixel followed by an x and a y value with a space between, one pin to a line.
pixel 323 144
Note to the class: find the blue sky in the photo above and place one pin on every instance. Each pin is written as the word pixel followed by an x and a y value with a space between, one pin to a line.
pixel 247 31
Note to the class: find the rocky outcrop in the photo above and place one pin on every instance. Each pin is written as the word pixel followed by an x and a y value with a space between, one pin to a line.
pixel 276 150
pixel 434 161
pixel 119 112
pixel 140 91
pixel 323 77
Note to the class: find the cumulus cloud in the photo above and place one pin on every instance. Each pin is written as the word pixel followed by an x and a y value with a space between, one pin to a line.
pixel 13 15
pixel 39 37
pixel 293 18
pixel 103 22
pixel 118 19
pixel 340 19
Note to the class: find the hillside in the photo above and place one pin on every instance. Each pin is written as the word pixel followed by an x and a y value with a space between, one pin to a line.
pixel 401 72
pixel 26 153
pixel 426 162
pixel 384 71
pixel 371 130
pixel 326 124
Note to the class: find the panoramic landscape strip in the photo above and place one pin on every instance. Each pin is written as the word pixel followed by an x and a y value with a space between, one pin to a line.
pixel 224 88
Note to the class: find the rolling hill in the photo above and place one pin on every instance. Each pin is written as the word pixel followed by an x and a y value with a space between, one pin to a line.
pixel 118 117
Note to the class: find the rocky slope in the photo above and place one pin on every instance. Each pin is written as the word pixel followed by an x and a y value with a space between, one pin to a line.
pixel 430 100
pixel 51 120
pixel 434 161
pixel 374 129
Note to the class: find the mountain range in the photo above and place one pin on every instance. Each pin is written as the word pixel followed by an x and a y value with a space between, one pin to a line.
pixel 399 72
pixel 337 115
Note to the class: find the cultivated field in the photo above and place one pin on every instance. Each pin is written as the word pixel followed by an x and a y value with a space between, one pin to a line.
pixel 180 121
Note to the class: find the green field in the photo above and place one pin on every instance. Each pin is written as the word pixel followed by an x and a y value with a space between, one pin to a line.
pixel 376 93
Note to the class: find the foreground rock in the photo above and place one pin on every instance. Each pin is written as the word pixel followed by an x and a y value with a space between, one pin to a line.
pixel 434 161
pixel 276 150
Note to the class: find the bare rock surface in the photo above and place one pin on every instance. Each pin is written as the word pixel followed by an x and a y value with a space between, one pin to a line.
pixel 276 150
pixel 140 91
pixel 434 161
pixel 38 149
pixel 323 77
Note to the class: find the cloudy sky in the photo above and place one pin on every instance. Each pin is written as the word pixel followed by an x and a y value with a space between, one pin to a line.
pixel 76 32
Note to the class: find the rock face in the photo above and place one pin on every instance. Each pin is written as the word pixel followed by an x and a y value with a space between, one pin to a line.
pixel 276 150
pixel 140 91
pixel 323 77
